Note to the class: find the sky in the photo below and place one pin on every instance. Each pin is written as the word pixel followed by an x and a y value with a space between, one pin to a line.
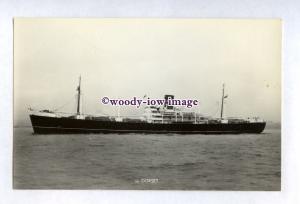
pixel 126 58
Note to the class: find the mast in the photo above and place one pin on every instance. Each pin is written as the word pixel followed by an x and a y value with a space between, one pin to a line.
pixel 78 96
pixel 222 101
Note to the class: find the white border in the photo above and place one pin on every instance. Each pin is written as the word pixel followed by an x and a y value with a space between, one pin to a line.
pixel 287 10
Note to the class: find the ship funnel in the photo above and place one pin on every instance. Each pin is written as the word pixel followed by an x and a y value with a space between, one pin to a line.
pixel 168 97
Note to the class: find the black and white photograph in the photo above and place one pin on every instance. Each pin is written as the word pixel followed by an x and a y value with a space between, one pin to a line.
pixel 147 104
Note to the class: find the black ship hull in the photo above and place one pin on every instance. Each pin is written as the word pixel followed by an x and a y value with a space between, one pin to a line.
pixel 64 125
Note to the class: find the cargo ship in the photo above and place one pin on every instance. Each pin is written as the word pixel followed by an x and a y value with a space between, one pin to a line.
pixel 156 119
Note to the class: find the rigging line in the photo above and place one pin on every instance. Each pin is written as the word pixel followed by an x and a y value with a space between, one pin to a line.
pixel 82 102
pixel 72 113
pixel 217 110
pixel 64 104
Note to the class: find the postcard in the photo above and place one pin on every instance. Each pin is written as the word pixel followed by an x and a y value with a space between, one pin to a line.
pixel 147 104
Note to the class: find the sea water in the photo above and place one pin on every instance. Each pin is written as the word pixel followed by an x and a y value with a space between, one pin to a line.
pixel 147 161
